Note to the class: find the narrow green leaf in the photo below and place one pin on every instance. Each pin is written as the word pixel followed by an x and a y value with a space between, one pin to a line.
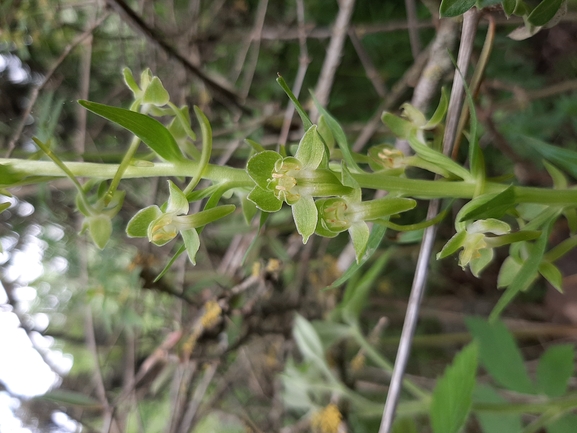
pixel 249 209
pixel 500 355
pixel 375 238
pixel 302 113
pixel 453 8
pixel 544 12
pixel 526 274
pixel 564 158
pixel 149 130
pixel 559 179
pixel 452 398
pixel 257 147
pixel 305 215
pixel 137 227
pixel 554 370
pixel 488 206
pixel 495 422
pixel 437 158
pixel 339 135
pixel 311 149
pixel 326 133
pixel 308 342
pixel 206 133
pixel 191 243
pixel 167 267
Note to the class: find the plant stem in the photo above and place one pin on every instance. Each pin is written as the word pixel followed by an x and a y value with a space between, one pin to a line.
pixel 423 189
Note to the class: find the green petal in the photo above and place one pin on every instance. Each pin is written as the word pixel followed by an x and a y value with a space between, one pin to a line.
pixel 305 215
pixel 177 202
pixel 192 243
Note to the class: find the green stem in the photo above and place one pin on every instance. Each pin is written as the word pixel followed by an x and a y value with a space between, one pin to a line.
pixel 121 169
pixel 425 189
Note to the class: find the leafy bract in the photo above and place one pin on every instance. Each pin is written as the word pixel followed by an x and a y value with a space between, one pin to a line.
pixel 149 130
pixel 554 370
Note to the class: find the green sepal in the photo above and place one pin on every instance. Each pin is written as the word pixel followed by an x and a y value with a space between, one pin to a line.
pixel 177 202
pixel 477 264
pixel 100 229
pixel 191 243
pixel 360 233
pixel 508 271
pixel 305 215
pixel 311 149
pixel 137 227
pixel 453 245
pixel 264 199
pixel 440 112
pixel 155 93
pixel 202 218
pixel 149 130
pixel 401 128
pixel 261 166
pixel 436 157
pixel 131 82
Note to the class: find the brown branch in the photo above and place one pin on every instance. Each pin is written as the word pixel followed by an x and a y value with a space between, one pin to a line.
pixel 47 77
pixel 412 26
pixel 334 52
pixel 368 64
pixel 137 23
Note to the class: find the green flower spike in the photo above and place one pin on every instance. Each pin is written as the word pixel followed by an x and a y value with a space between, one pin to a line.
pixel 294 180
pixel 477 246
pixel 162 227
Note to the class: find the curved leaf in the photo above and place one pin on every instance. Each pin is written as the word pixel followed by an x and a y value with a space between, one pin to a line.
pixel 149 130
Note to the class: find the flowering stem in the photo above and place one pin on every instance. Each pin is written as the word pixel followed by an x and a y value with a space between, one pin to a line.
pixel 425 189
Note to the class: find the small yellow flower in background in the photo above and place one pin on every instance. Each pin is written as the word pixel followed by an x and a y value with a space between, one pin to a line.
pixel 327 420
pixel 358 362
pixel 211 314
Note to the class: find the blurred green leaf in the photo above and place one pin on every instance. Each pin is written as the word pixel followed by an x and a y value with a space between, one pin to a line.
pixel 554 370
pixel 70 398
pixel 564 158
pixel 565 424
pixel 452 398
pixel 453 8
pixel 500 355
pixel 495 422
pixel 100 229
pixel 544 12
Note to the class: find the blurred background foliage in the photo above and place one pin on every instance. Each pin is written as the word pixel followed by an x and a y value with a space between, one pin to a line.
pixel 134 340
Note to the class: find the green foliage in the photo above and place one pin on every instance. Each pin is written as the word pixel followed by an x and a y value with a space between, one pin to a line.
pixel 452 397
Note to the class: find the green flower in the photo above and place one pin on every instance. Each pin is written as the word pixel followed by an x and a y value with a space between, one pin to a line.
pixel 294 180
pixel 163 226
pixel 477 247
pixel 338 214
